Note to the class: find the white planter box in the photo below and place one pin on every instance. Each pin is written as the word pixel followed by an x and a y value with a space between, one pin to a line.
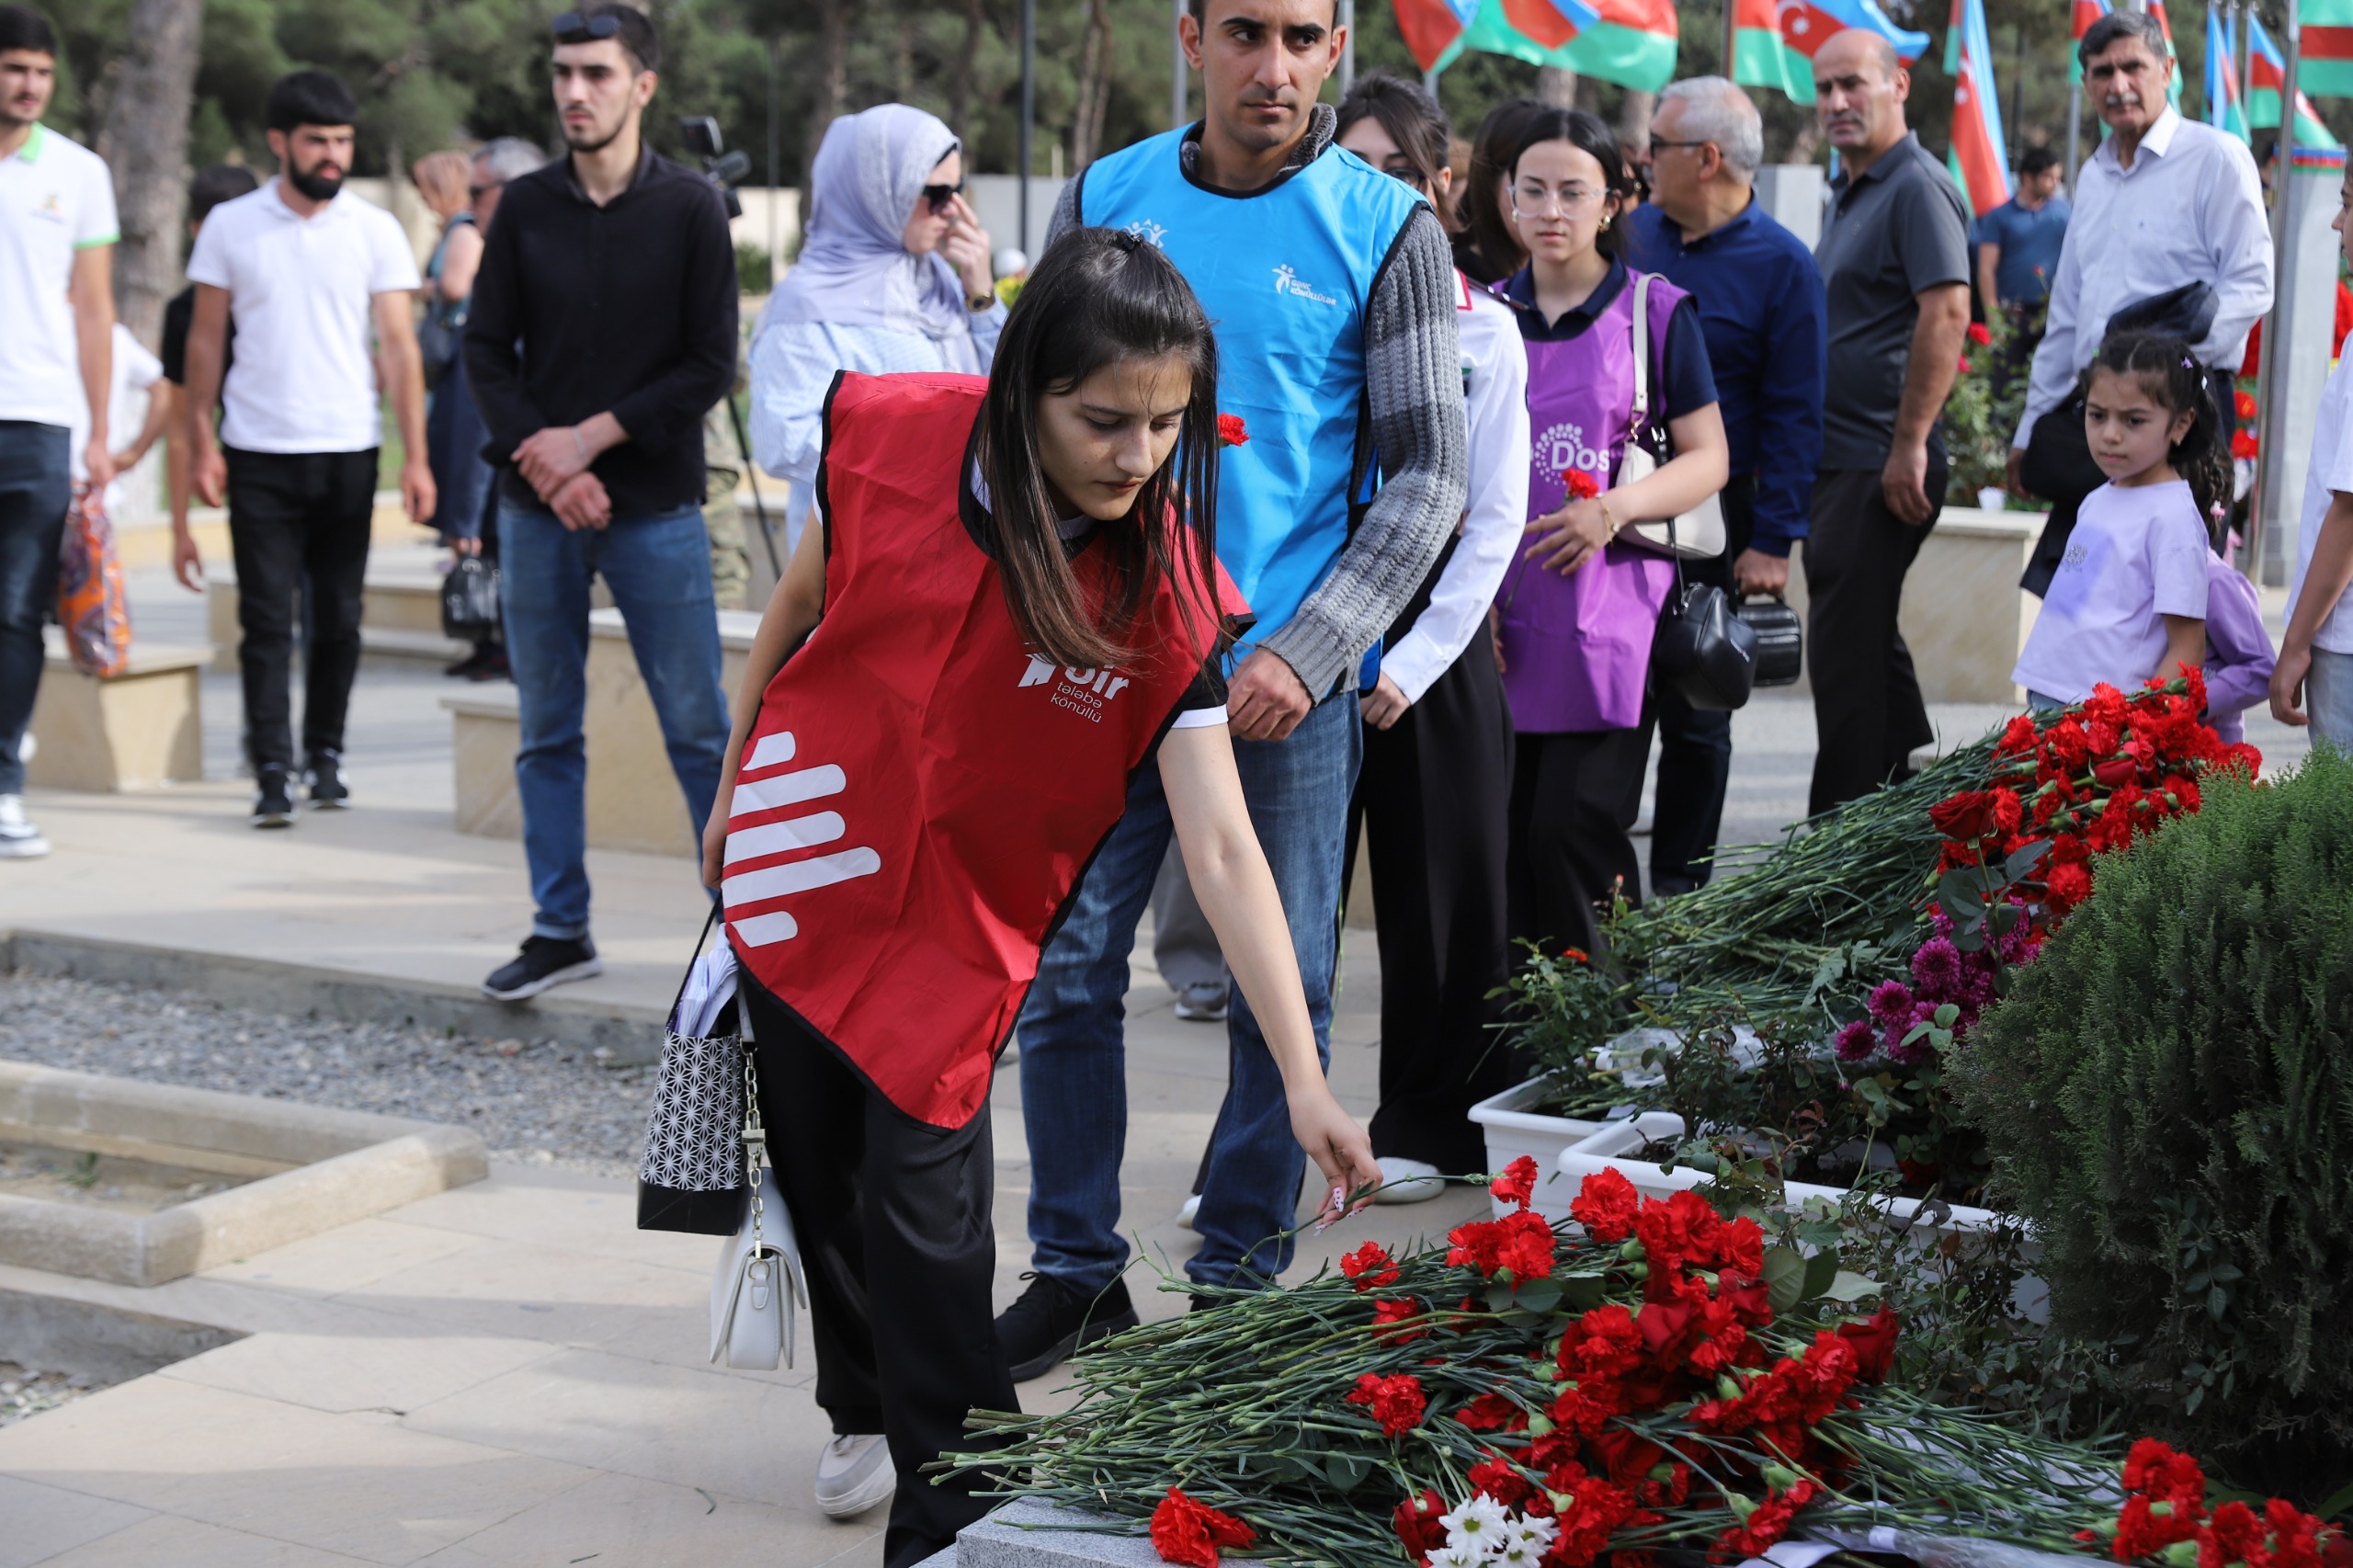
pixel 1513 1130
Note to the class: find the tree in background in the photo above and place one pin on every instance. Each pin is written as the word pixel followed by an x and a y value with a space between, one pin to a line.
pixel 145 144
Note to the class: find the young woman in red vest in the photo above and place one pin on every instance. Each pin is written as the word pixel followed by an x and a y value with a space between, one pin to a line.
pixel 999 617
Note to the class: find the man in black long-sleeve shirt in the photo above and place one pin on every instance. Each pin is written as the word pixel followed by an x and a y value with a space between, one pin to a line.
pixel 602 328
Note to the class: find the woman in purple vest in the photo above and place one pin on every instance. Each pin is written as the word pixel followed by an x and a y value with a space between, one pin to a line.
pixel 1577 610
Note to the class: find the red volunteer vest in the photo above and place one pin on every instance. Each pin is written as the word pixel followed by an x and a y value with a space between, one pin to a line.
pixel 921 793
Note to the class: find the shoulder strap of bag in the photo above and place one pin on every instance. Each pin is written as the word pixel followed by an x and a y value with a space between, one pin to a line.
pixel 1642 349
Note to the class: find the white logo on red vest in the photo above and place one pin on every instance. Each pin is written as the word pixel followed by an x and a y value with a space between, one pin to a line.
pixel 760 789
pixel 1084 692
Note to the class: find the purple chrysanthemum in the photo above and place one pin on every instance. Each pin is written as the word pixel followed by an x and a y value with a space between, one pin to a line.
pixel 1891 1003
pixel 1855 1041
pixel 1935 967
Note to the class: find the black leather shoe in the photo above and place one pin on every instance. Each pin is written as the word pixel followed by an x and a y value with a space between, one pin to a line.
pixel 1053 1322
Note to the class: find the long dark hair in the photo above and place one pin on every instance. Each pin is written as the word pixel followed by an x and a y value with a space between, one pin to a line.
pixel 1098 297
pixel 2168 375
pixel 1489 251
pixel 1413 119
pixel 1589 133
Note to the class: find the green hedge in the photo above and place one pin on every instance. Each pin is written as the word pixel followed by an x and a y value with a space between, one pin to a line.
pixel 2168 1096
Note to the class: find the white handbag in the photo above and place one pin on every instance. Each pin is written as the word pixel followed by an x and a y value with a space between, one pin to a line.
pixel 1697 534
pixel 758 1279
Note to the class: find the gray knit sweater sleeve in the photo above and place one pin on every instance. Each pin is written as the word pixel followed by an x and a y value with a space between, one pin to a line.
pixel 1414 385
pixel 1065 213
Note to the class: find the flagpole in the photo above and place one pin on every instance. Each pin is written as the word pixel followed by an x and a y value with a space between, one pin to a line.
pixel 2242 44
pixel 1177 114
pixel 2074 132
pixel 1732 40
pixel 2271 409
pixel 1348 43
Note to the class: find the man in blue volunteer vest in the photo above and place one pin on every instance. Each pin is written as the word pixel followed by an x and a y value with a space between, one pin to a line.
pixel 1334 295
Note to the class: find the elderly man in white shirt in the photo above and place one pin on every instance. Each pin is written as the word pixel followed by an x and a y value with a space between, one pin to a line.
pixel 2161 202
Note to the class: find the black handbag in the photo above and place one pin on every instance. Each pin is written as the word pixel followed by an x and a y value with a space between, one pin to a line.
pixel 1780 638
pixel 1703 651
pixel 470 601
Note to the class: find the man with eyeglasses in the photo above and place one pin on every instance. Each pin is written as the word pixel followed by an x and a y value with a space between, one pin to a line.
pixel 1334 296
pixel 1760 305
pixel 603 326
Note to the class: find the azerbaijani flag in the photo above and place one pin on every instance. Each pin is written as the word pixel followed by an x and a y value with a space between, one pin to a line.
pixel 2224 110
pixel 1631 42
pixel 2269 75
pixel 1774 40
pixel 1978 164
pixel 2326 65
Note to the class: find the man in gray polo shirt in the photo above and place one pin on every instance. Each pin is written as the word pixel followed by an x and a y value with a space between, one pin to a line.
pixel 1895 260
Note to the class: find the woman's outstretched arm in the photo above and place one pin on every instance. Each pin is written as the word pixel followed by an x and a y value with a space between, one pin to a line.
pixel 794 608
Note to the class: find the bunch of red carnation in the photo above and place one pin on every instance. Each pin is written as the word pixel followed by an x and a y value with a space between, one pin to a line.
pixel 2095 777
pixel 2165 1517
pixel 1678 1339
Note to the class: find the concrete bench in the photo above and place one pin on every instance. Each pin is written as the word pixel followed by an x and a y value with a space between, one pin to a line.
pixel 632 799
pixel 142 729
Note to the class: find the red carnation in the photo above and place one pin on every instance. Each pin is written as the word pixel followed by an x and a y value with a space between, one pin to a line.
pixel 1765 1526
pixel 1183 1530
pixel 1606 1206
pixel 2243 444
pixel 2158 1470
pixel 1396 1402
pixel 1978 334
pixel 1581 485
pixel 1874 1342
pixel 1415 1522
pixel 1386 1314
pixel 1497 1477
pixel 1371 1267
pixel 1230 431
pixel 1594 1511
pixel 1516 1186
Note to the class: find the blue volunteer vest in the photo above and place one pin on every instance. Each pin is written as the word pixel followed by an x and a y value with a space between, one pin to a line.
pixel 1287 276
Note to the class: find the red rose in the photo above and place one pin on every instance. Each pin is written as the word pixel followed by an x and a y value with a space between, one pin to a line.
pixel 1183 1530
pixel 2116 772
pixel 1397 1402
pixel 1575 955
pixel 1978 334
pixel 1371 1267
pixel 1230 431
pixel 1874 1342
pixel 1606 1206
pixel 1415 1522
pixel 1517 1184
pixel 1580 485
pixel 1965 817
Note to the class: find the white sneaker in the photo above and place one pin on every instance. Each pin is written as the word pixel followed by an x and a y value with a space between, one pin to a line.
pixel 1407 1181
pixel 19 839
pixel 1202 1003
pixel 853 1475
pixel 1186 1211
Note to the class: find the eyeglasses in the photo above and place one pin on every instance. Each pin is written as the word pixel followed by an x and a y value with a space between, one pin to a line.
pixel 1534 199
pixel 939 196
pixel 1659 142
pixel 570 27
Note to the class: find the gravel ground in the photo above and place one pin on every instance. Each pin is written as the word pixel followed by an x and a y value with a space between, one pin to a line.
pixel 25 1393
pixel 536 1101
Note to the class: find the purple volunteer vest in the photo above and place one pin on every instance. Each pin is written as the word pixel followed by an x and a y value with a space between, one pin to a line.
pixel 1577 649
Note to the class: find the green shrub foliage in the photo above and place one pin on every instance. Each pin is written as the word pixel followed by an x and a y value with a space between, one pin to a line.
pixel 2168 1096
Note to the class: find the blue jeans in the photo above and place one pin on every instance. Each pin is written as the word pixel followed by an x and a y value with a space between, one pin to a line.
pixel 658 568
pixel 1073 1052
pixel 2328 697
pixel 36 485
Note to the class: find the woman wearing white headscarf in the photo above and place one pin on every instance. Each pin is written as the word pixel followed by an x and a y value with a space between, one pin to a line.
pixel 893 275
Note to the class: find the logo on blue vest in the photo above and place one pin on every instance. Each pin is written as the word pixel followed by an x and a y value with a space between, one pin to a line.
pixel 1291 283
pixel 1147 231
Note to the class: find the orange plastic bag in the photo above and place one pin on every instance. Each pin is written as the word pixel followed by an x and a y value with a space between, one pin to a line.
pixel 90 603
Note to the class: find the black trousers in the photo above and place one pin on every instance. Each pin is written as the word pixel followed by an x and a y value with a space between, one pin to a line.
pixel 1435 793
pixel 1868 713
pixel 298 521
pixel 1695 747
pixel 897 1236
pixel 1570 845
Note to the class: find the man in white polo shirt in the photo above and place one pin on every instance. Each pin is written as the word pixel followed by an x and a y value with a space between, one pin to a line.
pixel 304 267
pixel 57 233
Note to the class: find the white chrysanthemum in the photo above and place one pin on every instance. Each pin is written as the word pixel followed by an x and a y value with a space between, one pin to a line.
pixel 1518 1551
pixel 1463 1555
pixel 1479 1523
pixel 1533 1533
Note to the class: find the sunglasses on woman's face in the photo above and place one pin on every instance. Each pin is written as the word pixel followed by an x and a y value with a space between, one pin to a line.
pixel 938 196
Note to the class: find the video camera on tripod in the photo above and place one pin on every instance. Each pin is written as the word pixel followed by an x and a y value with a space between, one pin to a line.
pixel 720 168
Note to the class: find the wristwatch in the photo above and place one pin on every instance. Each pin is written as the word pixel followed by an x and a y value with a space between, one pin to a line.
pixel 981 302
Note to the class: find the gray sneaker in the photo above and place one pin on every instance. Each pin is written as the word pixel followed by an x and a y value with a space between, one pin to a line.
pixel 853 1475
pixel 19 839
pixel 1202 1003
